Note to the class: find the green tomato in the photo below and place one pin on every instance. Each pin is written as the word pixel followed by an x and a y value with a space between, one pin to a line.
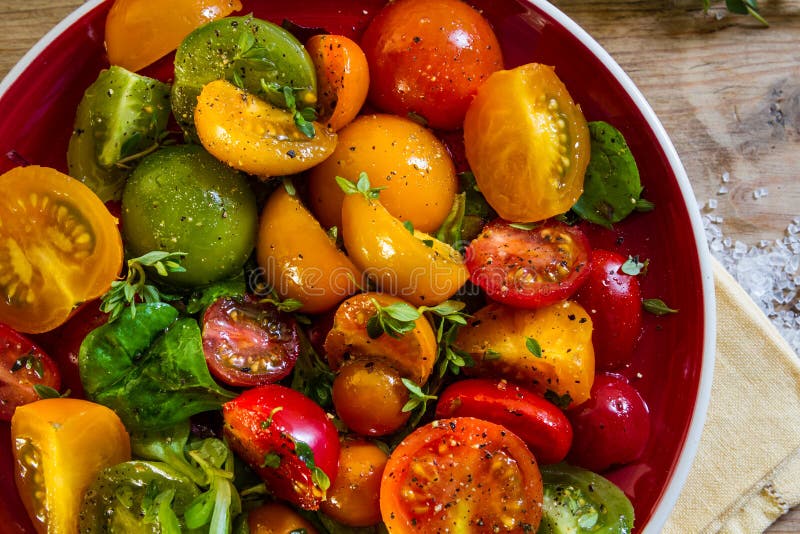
pixel 251 53
pixel 578 501
pixel 181 199
pixel 137 496
pixel 120 115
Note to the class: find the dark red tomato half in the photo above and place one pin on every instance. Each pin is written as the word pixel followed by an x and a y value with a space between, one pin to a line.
pixel 612 427
pixel 287 439
pixel 614 302
pixel 22 366
pixel 249 343
pixel 529 268
pixel 540 424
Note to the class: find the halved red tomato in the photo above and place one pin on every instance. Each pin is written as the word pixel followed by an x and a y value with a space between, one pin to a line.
pixel 287 439
pixel 461 475
pixel 22 365
pixel 529 268
pixel 538 422
pixel 249 343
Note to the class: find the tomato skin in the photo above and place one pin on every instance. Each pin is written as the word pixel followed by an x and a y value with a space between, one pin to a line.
pixel 57 455
pixel 529 268
pixel 138 32
pixel 277 518
pixel 66 227
pixel 539 423
pixel 22 365
pixel 269 420
pixel 496 337
pixel 614 301
pixel 527 143
pixel 354 498
pixel 429 57
pixel 396 153
pixel 612 427
pixel 454 475
pixel 248 343
pixel 342 78
pixel 369 397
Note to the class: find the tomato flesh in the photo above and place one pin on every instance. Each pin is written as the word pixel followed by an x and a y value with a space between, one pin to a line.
pixel 22 365
pixel 461 475
pixel 248 343
pixel 529 268
pixel 264 426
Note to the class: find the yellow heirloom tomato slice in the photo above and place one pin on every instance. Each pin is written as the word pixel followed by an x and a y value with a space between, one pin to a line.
pixel 548 350
pixel 59 446
pixel 254 136
pixel 59 247
pixel 527 143
pixel 412 354
pixel 299 259
pixel 416 267
pixel 139 32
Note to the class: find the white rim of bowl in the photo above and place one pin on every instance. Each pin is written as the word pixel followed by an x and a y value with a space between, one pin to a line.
pixel 681 471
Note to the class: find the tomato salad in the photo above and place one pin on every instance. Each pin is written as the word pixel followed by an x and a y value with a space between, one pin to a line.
pixel 300 314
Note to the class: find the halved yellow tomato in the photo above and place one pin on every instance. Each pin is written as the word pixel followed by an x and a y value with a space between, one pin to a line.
pixel 139 32
pixel 527 143
pixel 414 266
pixel 59 446
pixel 299 259
pixel 59 247
pixel 547 350
pixel 396 153
pixel 254 136
pixel 342 78
pixel 412 354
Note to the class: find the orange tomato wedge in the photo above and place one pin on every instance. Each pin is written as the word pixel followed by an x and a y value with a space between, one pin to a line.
pixel 139 32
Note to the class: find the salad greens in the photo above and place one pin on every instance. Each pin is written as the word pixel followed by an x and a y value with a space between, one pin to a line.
pixel 153 378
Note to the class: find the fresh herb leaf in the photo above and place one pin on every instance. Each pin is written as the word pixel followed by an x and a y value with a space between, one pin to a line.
pixel 525 226
pixel 395 320
pixel 312 376
pixel 491 354
pixel 46 392
pixel 745 7
pixel 271 460
pixel 633 266
pixel 288 306
pixel 408 225
pixel 562 401
pixel 533 347
pixel 451 230
pixel 362 186
pixel 416 396
pixel 123 293
pixel 657 307
pixel 318 476
pixel 419 119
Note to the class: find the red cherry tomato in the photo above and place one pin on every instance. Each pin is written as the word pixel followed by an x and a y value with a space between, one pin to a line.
pixel 22 366
pixel 64 343
pixel 529 268
pixel 287 439
pixel 614 302
pixel 539 423
pixel 612 427
pixel 248 343
pixel 461 475
pixel 429 57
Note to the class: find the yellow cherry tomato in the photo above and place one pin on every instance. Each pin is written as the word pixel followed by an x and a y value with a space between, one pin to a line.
pixel 342 78
pixel 139 32
pixel 416 267
pixel 299 259
pixel 354 496
pixel 277 518
pixel 547 350
pixel 59 247
pixel 527 143
pixel 59 446
pixel 396 153
pixel 254 136
pixel 413 354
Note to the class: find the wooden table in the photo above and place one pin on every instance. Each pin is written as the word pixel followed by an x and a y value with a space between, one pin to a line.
pixel 726 89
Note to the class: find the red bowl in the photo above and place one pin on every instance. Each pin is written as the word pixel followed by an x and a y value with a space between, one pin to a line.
pixel 675 356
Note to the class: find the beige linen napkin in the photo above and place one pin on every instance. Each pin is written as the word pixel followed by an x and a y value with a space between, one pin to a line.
pixel 747 470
